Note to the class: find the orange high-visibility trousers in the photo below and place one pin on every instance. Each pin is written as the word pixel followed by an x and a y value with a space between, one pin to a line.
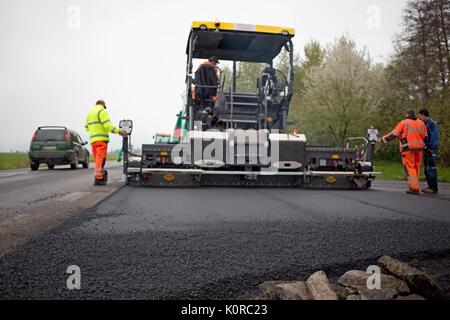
pixel 99 151
pixel 412 161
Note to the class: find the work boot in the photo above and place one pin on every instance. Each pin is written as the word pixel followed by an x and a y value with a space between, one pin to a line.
pixel 429 191
pixel 413 192
pixel 98 182
pixel 103 181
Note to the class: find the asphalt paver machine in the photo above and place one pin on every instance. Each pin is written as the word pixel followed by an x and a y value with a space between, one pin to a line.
pixel 241 139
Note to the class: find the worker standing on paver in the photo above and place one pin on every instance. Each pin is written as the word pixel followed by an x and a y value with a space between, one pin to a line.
pixel 412 134
pixel 430 158
pixel 98 124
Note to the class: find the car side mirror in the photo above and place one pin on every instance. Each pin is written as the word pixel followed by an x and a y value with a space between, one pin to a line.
pixel 85 143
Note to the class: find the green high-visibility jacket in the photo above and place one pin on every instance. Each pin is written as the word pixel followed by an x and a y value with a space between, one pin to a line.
pixel 99 125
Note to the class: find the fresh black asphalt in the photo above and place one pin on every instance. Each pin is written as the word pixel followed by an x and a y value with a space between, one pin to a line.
pixel 221 243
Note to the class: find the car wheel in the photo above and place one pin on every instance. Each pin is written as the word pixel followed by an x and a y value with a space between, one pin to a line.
pixel 75 162
pixel 51 166
pixel 34 166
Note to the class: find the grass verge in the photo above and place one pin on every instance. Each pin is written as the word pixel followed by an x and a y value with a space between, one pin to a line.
pixel 10 161
pixel 394 171
pixel 13 161
pixel 391 170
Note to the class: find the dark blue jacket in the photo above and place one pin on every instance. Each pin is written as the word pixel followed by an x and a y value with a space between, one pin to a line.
pixel 433 134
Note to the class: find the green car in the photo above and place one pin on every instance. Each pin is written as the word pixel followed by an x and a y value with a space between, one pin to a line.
pixel 57 146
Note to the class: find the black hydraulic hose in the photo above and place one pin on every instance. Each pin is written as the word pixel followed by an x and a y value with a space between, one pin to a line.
pixel 341 144
pixel 132 154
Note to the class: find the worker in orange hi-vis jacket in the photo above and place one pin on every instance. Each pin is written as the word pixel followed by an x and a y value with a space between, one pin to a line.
pixel 412 134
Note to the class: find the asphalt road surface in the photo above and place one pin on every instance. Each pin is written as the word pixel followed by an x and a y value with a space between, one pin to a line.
pixel 211 243
pixel 34 202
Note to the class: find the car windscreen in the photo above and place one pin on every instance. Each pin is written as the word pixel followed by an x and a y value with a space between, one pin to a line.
pixel 50 135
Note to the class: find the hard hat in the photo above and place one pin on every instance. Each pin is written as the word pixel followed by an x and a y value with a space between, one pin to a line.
pixel 214 59
pixel 410 114
pixel 101 102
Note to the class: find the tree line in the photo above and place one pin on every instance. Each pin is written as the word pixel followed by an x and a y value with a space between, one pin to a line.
pixel 341 86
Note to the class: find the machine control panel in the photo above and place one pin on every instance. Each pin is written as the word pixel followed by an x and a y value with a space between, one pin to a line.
pixel 372 135
pixel 126 125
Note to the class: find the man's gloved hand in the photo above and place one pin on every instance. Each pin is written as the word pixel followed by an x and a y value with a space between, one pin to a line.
pixel 123 133
pixel 379 140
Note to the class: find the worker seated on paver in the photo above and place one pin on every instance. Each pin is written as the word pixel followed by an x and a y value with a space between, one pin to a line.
pixel 206 83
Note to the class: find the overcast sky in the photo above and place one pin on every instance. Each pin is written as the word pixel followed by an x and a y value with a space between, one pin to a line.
pixel 58 57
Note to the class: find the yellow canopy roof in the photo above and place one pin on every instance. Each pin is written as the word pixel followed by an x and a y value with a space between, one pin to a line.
pixel 229 26
pixel 238 42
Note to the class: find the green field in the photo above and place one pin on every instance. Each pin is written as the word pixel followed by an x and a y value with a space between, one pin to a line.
pixel 390 170
pixel 394 171
pixel 10 161
pixel 13 161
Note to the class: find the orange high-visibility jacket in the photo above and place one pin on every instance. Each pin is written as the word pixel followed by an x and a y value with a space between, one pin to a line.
pixel 412 134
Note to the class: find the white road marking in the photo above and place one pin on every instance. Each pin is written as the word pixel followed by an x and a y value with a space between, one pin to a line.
pixel 74 196
pixel 6 174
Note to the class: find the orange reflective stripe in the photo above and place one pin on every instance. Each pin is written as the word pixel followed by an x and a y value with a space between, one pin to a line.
pixel 411 129
pixel 413 136
pixel 414 182
pixel 418 143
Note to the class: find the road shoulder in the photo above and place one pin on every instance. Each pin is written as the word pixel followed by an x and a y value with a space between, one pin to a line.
pixel 401 187
pixel 37 218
